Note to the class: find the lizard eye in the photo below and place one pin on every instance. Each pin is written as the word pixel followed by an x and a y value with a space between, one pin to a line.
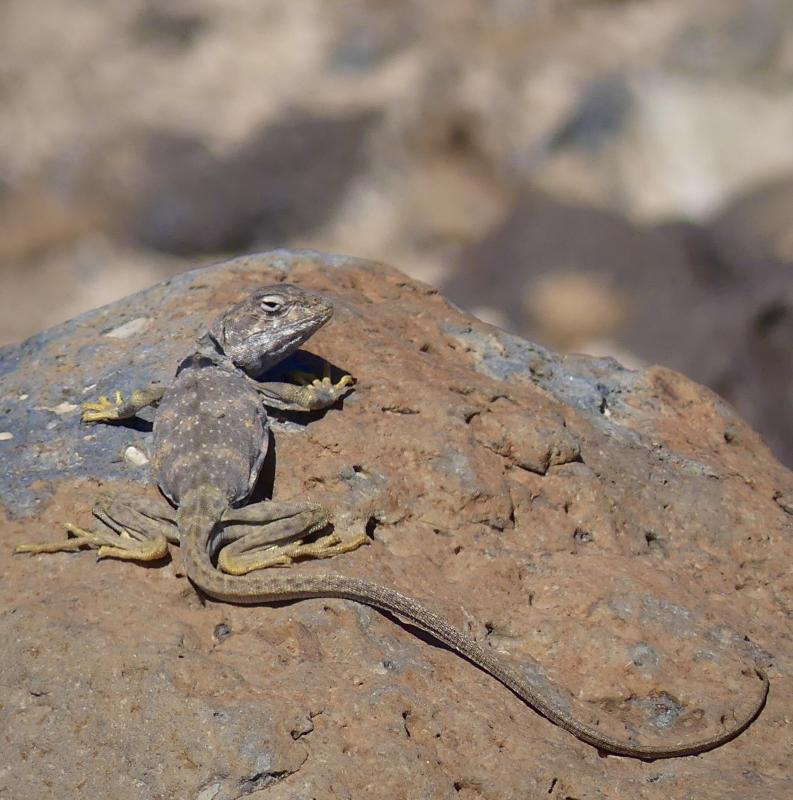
pixel 271 304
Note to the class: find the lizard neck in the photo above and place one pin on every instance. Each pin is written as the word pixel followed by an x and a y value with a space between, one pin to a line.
pixel 208 352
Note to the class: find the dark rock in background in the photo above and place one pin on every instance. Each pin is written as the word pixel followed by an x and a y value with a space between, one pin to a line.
pixel 284 181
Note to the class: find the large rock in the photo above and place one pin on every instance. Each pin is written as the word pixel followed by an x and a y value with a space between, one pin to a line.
pixel 624 529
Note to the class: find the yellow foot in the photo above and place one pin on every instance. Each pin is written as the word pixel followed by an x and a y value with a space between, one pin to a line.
pixel 324 547
pixel 108 545
pixel 320 392
pixel 103 409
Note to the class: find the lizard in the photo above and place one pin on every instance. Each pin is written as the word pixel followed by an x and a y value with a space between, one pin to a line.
pixel 210 440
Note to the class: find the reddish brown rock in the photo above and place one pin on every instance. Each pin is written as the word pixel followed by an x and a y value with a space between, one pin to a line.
pixel 621 534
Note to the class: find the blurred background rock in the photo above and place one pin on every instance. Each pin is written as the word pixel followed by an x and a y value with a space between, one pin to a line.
pixel 600 176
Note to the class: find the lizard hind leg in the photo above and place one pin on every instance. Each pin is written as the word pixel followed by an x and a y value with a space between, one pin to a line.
pixel 272 534
pixel 127 532
pixel 109 544
pixel 143 516
pixel 141 528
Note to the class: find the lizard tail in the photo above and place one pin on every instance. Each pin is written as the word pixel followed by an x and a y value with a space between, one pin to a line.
pixel 277 586
pixel 197 519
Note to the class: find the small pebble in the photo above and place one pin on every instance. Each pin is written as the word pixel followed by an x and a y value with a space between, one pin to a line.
pixel 134 326
pixel 5 436
pixel 208 792
pixel 65 408
pixel 136 456
pixel 221 632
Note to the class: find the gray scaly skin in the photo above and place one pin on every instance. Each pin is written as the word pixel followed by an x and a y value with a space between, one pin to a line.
pixel 210 438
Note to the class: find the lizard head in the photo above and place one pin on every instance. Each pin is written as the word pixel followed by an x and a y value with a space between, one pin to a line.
pixel 268 325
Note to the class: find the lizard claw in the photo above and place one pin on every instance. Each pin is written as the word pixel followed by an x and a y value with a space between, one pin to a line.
pixel 325 383
pixel 320 392
pixel 325 392
pixel 103 408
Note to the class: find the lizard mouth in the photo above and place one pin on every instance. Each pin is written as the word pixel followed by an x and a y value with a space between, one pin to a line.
pixel 265 348
pixel 291 335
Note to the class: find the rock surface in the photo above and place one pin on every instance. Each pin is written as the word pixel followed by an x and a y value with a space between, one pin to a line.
pixel 622 533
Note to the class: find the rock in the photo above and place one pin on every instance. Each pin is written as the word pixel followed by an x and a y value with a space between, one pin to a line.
pixel 752 234
pixel 272 187
pixel 622 534
pixel 569 274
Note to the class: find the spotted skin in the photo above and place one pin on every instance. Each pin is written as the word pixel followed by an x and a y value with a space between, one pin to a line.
pixel 210 430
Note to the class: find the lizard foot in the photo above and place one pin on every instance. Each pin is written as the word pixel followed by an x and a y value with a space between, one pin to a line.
pixel 121 545
pixel 320 392
pixel 103 408
pixel 307 392
pixel 324 547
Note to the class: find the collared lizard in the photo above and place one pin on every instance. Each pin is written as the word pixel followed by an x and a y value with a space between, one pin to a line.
pixel 210 439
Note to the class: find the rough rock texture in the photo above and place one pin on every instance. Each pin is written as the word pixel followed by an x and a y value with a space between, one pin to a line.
pixel 624 529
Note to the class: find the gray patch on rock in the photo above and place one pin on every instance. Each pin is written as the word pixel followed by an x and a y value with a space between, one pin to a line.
pixel 643 655
pixel 534 674
pixel 589 384
pixel 676 619
pixel 455 463
pixel 621 607
pixel 727 638
pixel 662 710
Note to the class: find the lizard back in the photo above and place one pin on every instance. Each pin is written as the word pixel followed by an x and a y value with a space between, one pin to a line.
pixel 210 433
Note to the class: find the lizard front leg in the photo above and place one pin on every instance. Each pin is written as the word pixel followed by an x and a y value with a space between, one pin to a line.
pixel 106 410
pixel 270 534
pixel 138 530
pixel 309 393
